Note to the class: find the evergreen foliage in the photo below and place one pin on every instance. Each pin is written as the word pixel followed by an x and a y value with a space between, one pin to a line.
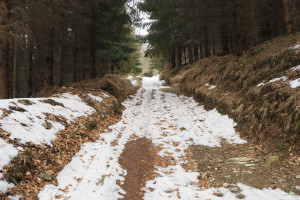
pixel 184 31
pixel 57 42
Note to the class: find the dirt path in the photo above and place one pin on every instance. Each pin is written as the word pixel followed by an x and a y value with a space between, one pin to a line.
pixel 138 159
pixel 147 155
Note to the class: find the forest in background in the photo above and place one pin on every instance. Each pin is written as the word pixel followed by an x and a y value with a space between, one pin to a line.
pixel 184 31
pixel 58 42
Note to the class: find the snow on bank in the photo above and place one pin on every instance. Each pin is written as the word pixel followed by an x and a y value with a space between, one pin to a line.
pixel 211 87
pixel 167 120
pixel 25 120
pixel 295 83
pixel 133 82
pixel 296 47
pixel 7 152
pixel 283 78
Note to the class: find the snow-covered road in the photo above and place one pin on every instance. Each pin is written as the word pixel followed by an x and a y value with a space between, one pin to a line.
pixel 166 119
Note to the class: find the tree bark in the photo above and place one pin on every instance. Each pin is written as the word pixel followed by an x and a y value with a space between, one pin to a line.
pixel 29 71
pixel 173 58
pixel 4 51
pixel 184 55
pixel 191 56
pixel 112 67
pixel 92 46
pixel 49 59
pixel 3 68
pixel 74 64
pixel 15 69
pixel 288 16
pixel 225 47
pixel 206 44
pixel 196 53
pixel 61 68
pixel 201 52
pixel 179 56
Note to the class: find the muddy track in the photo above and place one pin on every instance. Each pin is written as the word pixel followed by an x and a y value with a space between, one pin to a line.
pixel 138 159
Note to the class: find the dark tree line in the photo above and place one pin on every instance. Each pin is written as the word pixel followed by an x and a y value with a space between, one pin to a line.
pixel 57 42
pixel 183 31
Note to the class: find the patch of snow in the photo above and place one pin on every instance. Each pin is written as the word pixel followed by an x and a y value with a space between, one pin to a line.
pixel 28 126
pixel 296 47
pixel 105 95
pixel 7 152
pixel 261 84
pixel 164 118
pixel 95 98
pixel 295 68
pixel 211 87
pixel 295 83
pixel 133 81
pixel 283 78
pixel 17 197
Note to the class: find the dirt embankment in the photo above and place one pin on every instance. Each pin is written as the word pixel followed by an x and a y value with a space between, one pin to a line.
pixel 25 170
pixel 267 109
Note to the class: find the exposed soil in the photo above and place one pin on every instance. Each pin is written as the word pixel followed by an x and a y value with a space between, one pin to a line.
pixel 138 159
pixel 220 166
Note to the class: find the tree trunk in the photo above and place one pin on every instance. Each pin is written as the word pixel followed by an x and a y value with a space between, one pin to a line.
pixel 112 67
pixel 201 52
pixel 206 45
pixel 288 16
pixel 191 56
pixel 4 45
pixel 184 55
pixel 15 69
pixel 213 46
pixel 92 46
pixel 49 60
pixel 4 50
pixel 74 64
pixel 196 53
pixel 29 71
pixel 173 58
pixel 179 52
pixel 225 48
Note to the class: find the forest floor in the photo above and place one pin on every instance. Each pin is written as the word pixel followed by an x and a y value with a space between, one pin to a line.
pixel 165 146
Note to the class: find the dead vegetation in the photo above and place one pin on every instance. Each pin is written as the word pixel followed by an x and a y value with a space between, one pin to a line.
pixel 39 165
pixel 268 114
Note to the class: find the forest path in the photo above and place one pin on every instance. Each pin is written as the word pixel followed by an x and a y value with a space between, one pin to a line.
pixel 147 154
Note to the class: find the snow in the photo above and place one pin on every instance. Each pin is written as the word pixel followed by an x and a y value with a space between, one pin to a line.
pixel 7 152
pixel 133 82
pixel 261 84
pixel 28 126
pixel 283 78
pixel 211 87
pixel 164 118
pixel 295 83
pixel 295 68
pixel 95 98
pixel 296 47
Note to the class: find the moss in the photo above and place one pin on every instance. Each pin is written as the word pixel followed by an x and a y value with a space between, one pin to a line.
pixel 52 102
pixel 19 166
pixel 25 102
pixel 298 126
pixel 90 126
pixel 17 109
pixel 116 107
